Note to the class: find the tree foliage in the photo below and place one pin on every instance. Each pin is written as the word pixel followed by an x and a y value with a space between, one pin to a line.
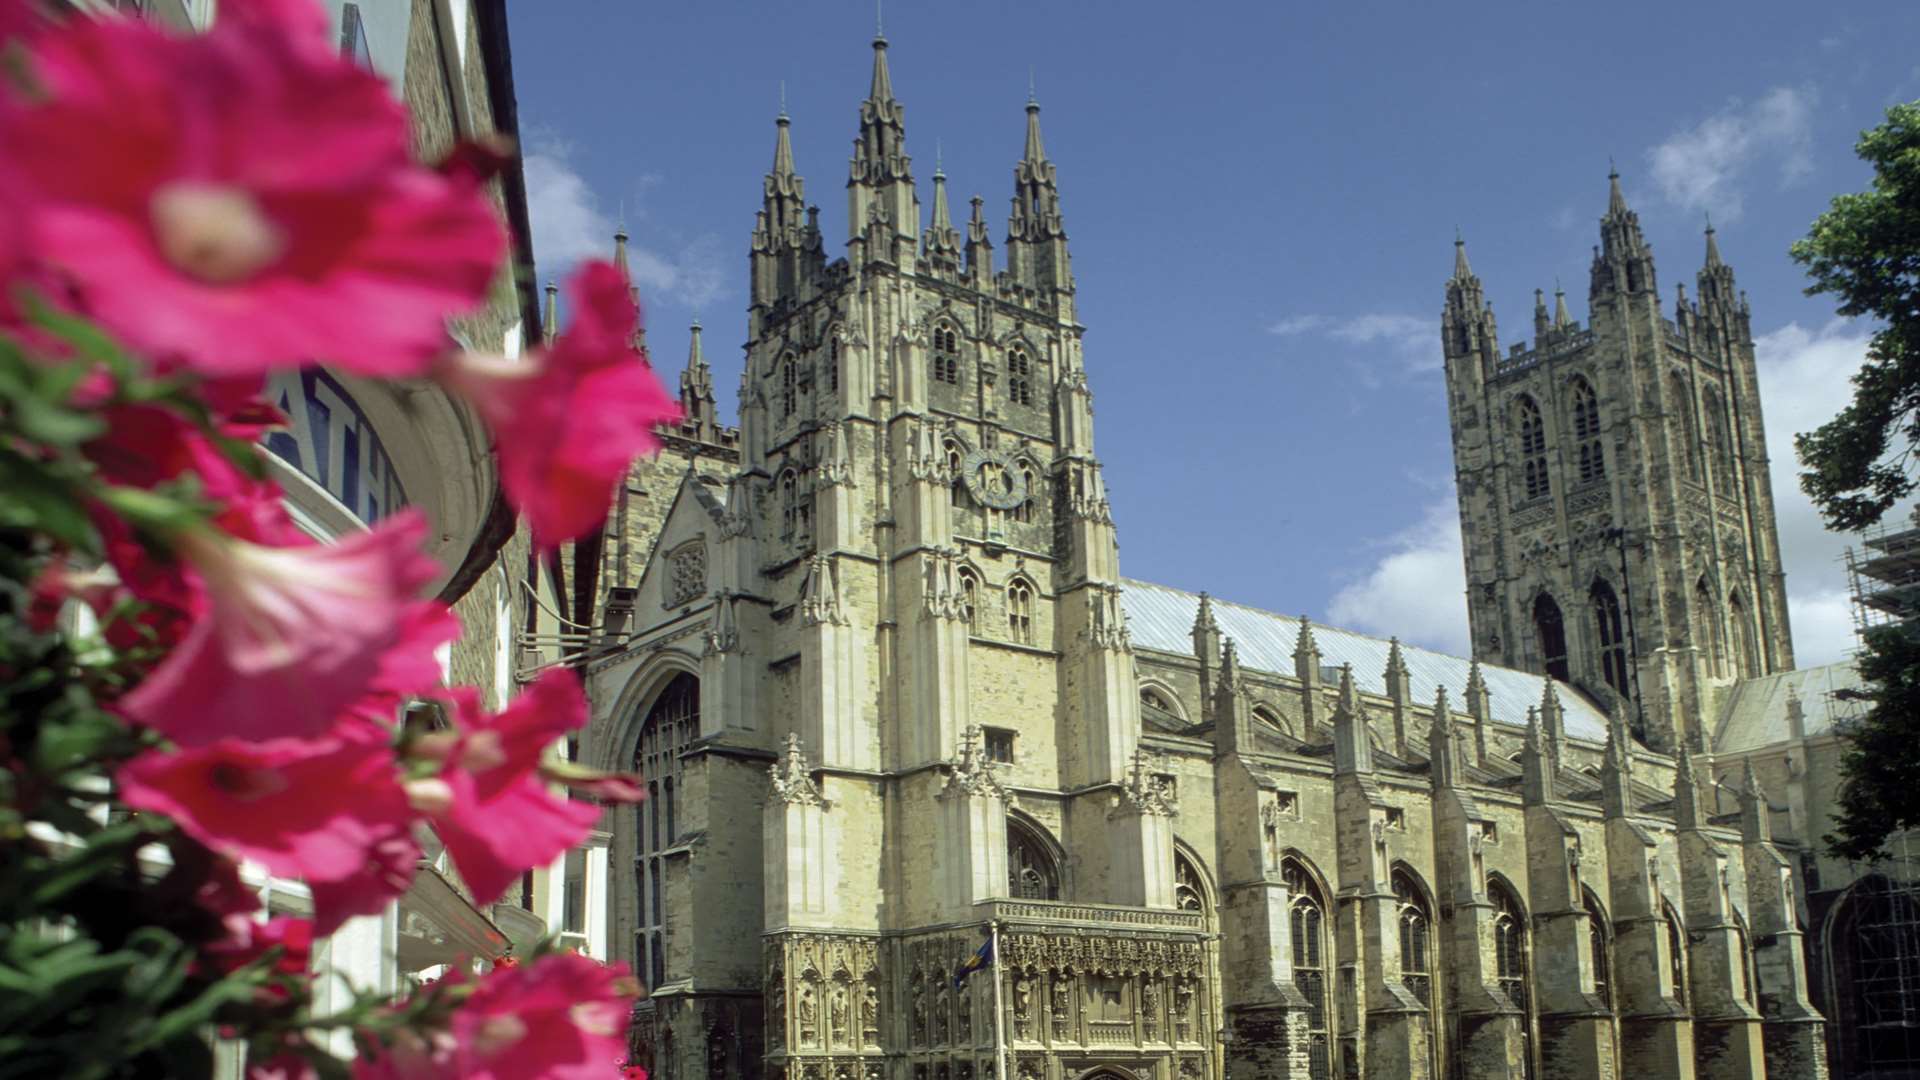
pixel 1865 251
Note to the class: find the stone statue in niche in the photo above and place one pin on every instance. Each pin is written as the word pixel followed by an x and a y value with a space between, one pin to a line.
pixel 919 1012
pixel 1189 1068
pixel 963 1028
pixel 1183 1008
pixel 1022 1005
pixel 1150 1008
pixel 837 1015
pixel 940 1010
pixel 806 1007
pixel 1028 1069
pixel 1062 1004
pixel 870 1012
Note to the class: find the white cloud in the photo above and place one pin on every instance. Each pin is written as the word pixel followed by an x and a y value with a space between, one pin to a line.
pixel 1417 589
pixel 1703 167
pixel 1803 383
pixel 570 225
pixel 1411 343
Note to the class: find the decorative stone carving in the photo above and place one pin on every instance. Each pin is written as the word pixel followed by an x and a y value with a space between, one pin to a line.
pixel 839 1031
pixel 963 1020
pixel 1183 991
pixel 870 1010
pixel 792 782
pixel 1143 790
pixel 820 593
pixel 776 1007
pixel 1060 1009
pixel 807 1014
pixel 1150 1009
pixel 970 773
pixel 686 574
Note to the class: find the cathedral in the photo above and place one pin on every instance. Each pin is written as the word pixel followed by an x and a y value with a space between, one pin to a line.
pixel 938 794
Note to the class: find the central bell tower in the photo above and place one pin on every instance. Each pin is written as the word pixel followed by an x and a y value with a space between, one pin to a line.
pixel 1615 502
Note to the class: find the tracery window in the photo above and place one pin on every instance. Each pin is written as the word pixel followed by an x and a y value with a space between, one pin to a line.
pixel 946 355
pixel 1586 431
pixel 1712 633
pixel 1876 952
pixel 1551 632
pixel 1020 611
pixel 1416 937
pixel 1019 377
pixel 672 722
pixel 789 504
pixel 1613 640
pixel 1676 952
pixel 1510 945
pixel 970 600
pixel 1746 651
pixel 1599 950
pixel 833 364
pixel 1720 444
pixel 1024 512
pixel 1307 919
pixel 789 386
pixel 1531 431
pixel 1031 874
pixel 1683 429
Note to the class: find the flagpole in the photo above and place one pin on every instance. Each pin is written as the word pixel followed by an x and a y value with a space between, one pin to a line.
pixel 999 1011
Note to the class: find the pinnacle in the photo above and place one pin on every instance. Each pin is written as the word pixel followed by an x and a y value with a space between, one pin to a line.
pixel 1713 247
pixel 882 89
pixel 1461 269
pixel 1616 202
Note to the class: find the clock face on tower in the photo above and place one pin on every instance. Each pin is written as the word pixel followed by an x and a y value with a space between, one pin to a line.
pixel 992 480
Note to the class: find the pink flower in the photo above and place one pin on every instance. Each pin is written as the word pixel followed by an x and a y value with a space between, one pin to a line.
pixel 242 200
pixel 567 421
pixel 320 810
pixel 295 636
pixel 560 1017
pixel 252 940
pixel 499 818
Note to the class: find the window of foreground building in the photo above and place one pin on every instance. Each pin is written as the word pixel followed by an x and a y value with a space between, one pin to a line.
pixel 1874 940
pixel 1031 874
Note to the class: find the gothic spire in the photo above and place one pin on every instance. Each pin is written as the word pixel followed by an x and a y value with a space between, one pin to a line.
pixel 696 387
pixel 1442 749
pixel 1462 270
pixel 1616 202
pixel 882 88
pixel 639 339
pixel 1616 771
pixel 1036 149
pixel 941 242
pixel 1536 763
pixel 1623 263
pixel 1561 320
pixel 1713 247
pixel 883 211
pixel 1036 235
pixel 1352 745
pixel 1686 792
pixel 1755 821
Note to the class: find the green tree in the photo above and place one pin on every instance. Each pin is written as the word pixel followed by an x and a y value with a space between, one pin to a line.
pixel 1865 250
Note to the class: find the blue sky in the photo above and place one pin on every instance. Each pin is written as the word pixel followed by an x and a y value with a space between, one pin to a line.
pixel 1262 200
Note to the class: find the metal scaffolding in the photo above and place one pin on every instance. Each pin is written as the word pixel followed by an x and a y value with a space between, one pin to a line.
pixel 1883 575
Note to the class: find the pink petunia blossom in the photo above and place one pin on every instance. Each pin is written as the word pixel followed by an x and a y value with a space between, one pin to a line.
pixel 499 818
pixel 242 200
pixel 253 940
pixel 568 421
pixel 321 810
pixel 293 637
pixel 560 1017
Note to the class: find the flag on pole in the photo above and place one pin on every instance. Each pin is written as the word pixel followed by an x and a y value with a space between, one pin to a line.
pixel 980 959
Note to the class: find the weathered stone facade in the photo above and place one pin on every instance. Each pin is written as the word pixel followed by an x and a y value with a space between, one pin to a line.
pixel 893 700
pixel 1615 502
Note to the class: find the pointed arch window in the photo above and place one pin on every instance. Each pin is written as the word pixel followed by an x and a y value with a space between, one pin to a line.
pixel 1550 630
pixel 1599 949
pixel 1746 651
pixel 789 386
pixel 1031 873
pixel 1876 959
pixel 1416 936
pixel 946 355
pixel 1613 639
pixel 671 724
pixel 970 600
pixel 1020 611
pixel 1510 946
pixel 1024 512
pixel 1676 951
pixel 1307 919
pixel 1586 431
pixel 1683 427
pixel 1712 635
pixel 1531 431
pixel 789 504
pixel 1720 444
pixel 833 364
pixel 1019 376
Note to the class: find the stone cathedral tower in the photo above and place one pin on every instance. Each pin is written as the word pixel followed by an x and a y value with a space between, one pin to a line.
pixel 1614 495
